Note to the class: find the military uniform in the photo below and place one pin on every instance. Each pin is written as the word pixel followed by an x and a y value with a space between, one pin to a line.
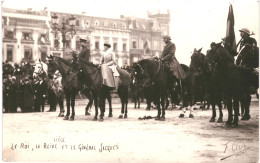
pixel 168 55
pixel 85 53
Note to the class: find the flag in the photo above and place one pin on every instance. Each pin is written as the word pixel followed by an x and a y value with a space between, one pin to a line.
pixel 230 42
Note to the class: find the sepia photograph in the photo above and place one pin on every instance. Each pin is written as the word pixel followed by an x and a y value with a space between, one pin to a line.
pixel 130 81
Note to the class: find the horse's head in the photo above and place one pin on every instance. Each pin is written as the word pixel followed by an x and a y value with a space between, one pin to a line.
pixel 52 65
pixel 197 61
pixel 222 56
pixel 40 68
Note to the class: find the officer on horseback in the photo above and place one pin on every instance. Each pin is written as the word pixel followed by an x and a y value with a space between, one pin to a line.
pixel 248 60
pixel 246 40
pixel 168 57
pixel 85 51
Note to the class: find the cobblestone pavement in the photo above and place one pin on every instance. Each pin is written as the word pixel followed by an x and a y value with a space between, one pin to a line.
pixel 46 137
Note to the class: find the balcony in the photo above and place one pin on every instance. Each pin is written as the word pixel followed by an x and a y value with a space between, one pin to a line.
pixel 27 41
pixel 7 39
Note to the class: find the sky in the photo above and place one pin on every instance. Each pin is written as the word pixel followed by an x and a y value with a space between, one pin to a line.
pixel 194 23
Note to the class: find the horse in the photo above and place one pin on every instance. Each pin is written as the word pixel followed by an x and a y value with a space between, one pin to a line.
pixel 40 68
pixel 91 76
pixel 197 77
pixel 213 86
pixel 234 82
pixel 153 71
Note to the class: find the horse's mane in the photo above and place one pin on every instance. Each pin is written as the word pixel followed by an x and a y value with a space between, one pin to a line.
pixel 88 63
pixel 67 62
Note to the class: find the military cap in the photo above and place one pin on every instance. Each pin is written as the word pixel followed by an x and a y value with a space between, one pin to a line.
pixel 83 40
pixel 107 45
pixel 167 37
pixel 246 30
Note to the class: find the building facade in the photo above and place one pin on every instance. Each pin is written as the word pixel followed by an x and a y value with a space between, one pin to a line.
pixel 27 36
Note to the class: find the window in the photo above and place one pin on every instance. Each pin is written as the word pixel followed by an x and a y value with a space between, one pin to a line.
pixel 124 47
pixel 68 43
pixel 78 45
pixel 28 53
pixel 56 43
pixel 115 46
pixel 96 23
pixel 114 25
pixel 26 36
pixel 9 34
pixel 9 56
pixel 96 45
pixel 43 38
pixel 43 54
pixel 134 44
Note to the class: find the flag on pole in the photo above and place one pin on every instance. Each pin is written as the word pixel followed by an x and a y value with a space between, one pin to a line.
pixel 230 40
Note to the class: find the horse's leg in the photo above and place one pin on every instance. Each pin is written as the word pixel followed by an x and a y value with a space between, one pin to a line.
pixel 157 102
pixel 60 101
pixel 90 102
pixel 220 119
pixel 96 102
pixel 110 104
pixel 229 107
pixel 213 104
pixel 73 95
pixel 138 99
pixel 126 102
pixel 236 110
pixel 247 102
pixel 68 105
pixel 103 105
pixel 163 107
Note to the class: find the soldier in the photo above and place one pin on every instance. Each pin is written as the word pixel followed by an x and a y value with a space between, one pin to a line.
pixel 58 89
pixel 247 61
pixel 85 51
pixel 168 57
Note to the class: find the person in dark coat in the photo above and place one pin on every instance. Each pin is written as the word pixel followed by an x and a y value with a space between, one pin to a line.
pixel 40 94
pixel 18 90
pixel 52 100
pixel 85 51
pixel 28 93
pixel 168 57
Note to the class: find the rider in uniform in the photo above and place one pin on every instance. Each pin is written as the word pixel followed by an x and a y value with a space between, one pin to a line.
pixel 85 51
pixel 246 40
pixel 168 57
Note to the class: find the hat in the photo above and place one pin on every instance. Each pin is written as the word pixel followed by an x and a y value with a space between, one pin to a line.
pixel 167 37
pixel 107 45
pixel 246 30
pixel 83 40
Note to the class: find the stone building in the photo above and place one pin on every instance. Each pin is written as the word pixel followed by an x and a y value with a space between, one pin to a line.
pixel 27 36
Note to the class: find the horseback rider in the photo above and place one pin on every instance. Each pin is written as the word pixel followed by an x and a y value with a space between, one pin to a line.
pixel 108 68
pixel 245 61
pixel 246 40
pixel 85 51
pixel 169 59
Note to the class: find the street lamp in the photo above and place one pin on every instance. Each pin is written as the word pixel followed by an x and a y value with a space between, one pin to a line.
pixel 63 29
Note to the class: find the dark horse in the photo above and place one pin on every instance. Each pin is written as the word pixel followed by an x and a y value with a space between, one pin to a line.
pixel 153 70
pixel 70 82
pixel 91 76
pixel 233 82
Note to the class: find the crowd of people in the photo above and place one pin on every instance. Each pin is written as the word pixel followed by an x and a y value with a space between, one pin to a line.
pixel 22 90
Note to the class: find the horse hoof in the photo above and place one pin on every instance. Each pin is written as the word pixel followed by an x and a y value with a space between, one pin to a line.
pixel 162 119
pixel 125 116
pixel 59 115
pixel 95 119
pixel 148 109
pixel 87 113
pixel 66 118
pixel 220 120
pixel 71 119
pixel 228 123
pixel 101 120
pixel 62 114
pixel 121 116
pixel 212 120
pixel 235 124
pixel 181 115
pixel 157 118
pixel 191 116
pixel 110 115
pixel 246 117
